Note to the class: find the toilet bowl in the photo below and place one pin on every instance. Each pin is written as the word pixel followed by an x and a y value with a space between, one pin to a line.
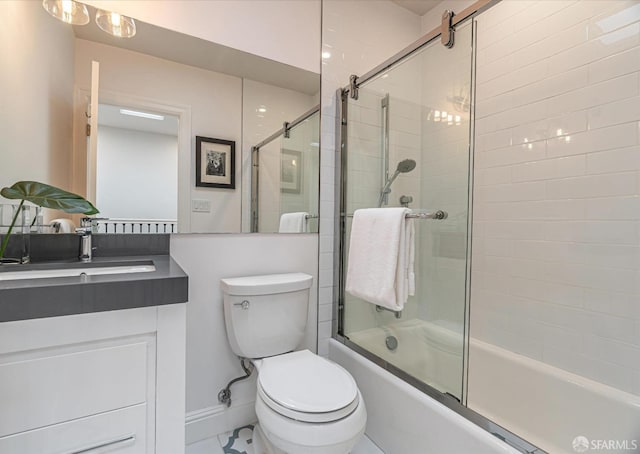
pixel 305 404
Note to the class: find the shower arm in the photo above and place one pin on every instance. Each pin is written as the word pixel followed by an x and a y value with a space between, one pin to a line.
pixel 386 189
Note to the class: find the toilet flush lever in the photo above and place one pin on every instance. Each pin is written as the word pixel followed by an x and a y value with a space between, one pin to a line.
pixel 244 305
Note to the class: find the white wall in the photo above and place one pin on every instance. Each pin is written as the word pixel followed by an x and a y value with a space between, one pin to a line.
pixel 147 186
pixel 210 362
pixel 556 251
pixel 213 99
pixel 266 28
pixel 36 83
pixel 352 34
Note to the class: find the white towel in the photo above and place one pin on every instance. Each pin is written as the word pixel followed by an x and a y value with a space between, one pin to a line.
pixel 381 256
pixel 293 222
pixel 64 225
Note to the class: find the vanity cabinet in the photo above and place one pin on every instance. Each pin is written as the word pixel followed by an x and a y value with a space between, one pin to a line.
pixel 92 383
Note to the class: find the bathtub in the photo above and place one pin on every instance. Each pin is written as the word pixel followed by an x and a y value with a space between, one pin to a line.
pixel 403 420
pixel 549 406
pixel 542 404
pixel 428 351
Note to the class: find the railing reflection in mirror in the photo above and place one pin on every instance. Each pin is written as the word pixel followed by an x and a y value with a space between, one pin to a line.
pixel 31 221
pixel 139 226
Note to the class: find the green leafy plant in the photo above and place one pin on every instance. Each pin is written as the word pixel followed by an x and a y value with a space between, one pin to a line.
pixel 45 196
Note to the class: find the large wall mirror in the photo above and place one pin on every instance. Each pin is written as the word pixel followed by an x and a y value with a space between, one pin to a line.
pixel 147 99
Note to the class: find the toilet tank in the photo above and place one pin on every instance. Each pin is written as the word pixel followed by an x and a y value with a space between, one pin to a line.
pixel 266 315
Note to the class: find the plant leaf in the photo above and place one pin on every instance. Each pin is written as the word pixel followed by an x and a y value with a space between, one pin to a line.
pixel 48 196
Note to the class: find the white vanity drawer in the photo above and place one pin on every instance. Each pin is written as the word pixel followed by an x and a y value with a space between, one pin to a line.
pixel 59 386
pixel 121 431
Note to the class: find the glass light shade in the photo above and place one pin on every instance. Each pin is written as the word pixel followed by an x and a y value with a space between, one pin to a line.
pixel 115 24
pixel 68 11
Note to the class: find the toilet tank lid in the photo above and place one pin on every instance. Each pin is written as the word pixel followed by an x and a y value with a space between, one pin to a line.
pixel 266 284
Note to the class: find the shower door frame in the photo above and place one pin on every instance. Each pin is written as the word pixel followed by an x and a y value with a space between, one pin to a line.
pixel 341 166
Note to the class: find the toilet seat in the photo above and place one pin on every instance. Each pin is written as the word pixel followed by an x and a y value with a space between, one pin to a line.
pixel 308 416
pixel 308 388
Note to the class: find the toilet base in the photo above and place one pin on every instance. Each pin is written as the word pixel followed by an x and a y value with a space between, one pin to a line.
pixel 286 436
pixel 261 445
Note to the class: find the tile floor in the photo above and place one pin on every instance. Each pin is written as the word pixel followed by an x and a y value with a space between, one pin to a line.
pixel 238 441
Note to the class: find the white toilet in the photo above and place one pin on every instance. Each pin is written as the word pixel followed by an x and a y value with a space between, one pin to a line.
pixel 305 404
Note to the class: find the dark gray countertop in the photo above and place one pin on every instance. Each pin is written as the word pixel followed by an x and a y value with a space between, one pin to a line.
pixel 52 297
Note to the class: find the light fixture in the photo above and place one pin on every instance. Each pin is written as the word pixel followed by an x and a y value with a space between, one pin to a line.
pixel 135 113
pixel 261 109
pixel 325 55
pixel 116 24
pixel 68 11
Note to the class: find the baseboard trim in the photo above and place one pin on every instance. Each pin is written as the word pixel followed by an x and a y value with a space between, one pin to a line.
pixel 211 421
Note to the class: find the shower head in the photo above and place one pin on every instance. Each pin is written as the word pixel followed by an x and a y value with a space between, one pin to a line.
pixel 404 166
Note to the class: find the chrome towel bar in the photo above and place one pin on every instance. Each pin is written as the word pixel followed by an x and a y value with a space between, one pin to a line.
pixel 439 214
pixel 398 314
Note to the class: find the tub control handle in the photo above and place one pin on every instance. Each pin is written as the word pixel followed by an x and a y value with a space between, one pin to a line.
pixel 244 305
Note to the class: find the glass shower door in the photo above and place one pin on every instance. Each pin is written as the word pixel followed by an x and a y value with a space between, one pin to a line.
pixel 300 171
pixel 289 180
pixel 413 121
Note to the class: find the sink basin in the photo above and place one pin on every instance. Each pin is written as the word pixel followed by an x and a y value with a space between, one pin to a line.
pixel 88 270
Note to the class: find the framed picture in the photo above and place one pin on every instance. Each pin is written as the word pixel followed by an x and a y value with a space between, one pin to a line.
pixel 290 171
pixel 215 163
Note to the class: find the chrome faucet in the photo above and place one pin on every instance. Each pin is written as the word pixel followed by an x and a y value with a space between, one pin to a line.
pixel 85 231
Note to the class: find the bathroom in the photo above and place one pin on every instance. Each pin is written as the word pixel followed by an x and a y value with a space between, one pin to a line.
pixel 527 336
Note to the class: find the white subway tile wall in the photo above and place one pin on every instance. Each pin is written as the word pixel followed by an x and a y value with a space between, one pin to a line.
pixel 556 210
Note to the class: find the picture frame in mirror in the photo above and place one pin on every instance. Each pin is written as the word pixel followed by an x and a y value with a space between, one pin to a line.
pixel 290 171
pixel 215 163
